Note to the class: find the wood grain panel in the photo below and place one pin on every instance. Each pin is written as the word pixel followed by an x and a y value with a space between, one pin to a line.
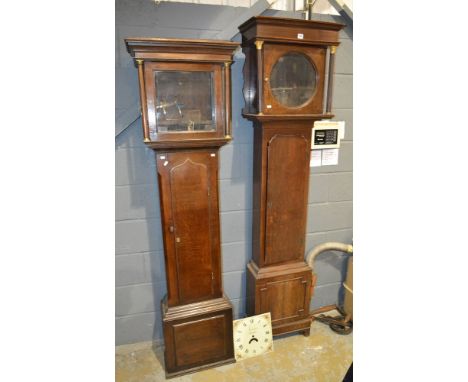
pixel 200 340
pixel 190 205
pixel 287 178
pixel 284 298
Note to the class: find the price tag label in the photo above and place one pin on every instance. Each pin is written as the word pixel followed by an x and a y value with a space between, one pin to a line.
pixel 330 157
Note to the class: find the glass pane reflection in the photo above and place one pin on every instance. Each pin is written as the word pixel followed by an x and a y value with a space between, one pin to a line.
pixel 292 80
pixel 184 101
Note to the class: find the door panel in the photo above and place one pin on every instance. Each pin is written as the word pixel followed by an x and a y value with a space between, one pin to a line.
pixel 284 299
pixel 189 182
pixel 286 212
pixel 197 341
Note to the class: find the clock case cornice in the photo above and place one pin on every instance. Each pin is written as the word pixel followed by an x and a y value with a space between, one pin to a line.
pixel 154 49
pixel 290 22
pixel 285 30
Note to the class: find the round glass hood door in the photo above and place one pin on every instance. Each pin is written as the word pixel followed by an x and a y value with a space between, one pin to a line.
pixel 293 80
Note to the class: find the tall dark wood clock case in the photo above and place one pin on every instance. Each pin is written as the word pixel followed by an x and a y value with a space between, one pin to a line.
pixel 286 89
pixel 185 91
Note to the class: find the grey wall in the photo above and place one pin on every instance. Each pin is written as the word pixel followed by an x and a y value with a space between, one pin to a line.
pixel 140 275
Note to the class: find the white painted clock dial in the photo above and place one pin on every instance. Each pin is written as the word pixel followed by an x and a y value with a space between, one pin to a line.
pixel 252 336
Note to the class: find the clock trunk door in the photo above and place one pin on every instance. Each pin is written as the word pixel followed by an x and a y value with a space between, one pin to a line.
pixel 286 199
pixel 191 217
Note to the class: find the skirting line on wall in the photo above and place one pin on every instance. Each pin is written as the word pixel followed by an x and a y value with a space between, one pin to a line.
pixel 129 348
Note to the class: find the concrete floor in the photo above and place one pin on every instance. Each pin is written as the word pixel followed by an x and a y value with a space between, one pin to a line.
pixel 323 357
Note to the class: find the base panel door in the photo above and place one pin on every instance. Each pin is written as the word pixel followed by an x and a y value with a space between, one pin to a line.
pixel 198 341
pixel 286 297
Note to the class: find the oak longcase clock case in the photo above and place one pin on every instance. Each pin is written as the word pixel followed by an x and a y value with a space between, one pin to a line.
pixel 185 93
pixel 286 88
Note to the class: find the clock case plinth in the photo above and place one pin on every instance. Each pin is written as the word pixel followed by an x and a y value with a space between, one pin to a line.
pixel 197 334
pixel 196 315
pixel 278 279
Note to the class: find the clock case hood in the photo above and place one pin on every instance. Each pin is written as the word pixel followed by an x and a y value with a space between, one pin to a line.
pixel 264 41
pixel 186 54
